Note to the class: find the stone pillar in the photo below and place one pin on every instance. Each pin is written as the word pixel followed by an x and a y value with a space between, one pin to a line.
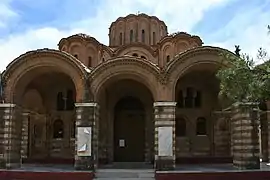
pixel 86 147
pixel 264 136
pixel 245 122
pixel 164 135
pixel 11 150
pixel 25 132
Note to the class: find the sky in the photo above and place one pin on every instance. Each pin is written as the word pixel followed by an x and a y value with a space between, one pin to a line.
pixel 30 24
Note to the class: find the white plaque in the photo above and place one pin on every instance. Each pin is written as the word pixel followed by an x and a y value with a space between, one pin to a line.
pixel 165 141
pixel 84 141
pixel 121 143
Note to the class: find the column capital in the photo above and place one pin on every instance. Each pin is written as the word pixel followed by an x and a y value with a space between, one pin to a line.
pixel 90 104
pixel 164 103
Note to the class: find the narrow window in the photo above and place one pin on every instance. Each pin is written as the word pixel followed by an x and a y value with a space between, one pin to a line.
pixel 180 126
pixel 76 56
pixel 154 38
pixel 60 102
pixel 198 99
pixel 168 58
pixel 131 36
pixel 135 54
pixel 201 126
pixel 120 38
pixel 180 100
pixel 143 36
pixel 58 129
pixel 143 57
pixel 70 100
pixel 189 98
pixel 89 61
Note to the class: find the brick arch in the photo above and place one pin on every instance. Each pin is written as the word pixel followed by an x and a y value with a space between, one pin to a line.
pixel 198 57
pixel 125 68
pixel 44 60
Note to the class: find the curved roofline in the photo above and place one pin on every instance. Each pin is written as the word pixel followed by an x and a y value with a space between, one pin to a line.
pixel 79 36
pixel 138 15
pixel 18 60
pixel 138 44
pixel 193 52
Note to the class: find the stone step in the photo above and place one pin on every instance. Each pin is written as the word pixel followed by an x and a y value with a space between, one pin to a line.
pixel 143 174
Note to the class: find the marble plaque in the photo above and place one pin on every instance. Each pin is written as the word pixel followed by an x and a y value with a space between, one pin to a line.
pixel 84 141
pixel 165 141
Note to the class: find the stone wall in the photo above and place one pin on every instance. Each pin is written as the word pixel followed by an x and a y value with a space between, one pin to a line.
pixel 245 124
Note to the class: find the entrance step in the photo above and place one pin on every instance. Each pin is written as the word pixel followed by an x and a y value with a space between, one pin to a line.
pixel 129 174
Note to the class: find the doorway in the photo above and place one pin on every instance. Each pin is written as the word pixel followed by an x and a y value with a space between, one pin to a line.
pixel 129 130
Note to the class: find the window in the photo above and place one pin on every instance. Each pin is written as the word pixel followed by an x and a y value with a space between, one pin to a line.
pixel 168 58
pixel 201 126
pixel 120 38
pixel 89 61
pixel 60 104
pixel 180 100
pixel 76 56
pixel 70 100
pixel 58 129
pixel 143 36
pixel 131 36
pixel 197 99
pixel 180 127
pixel 154 38
pixel 103 60
pixel 135 54
pixel 189 97
pixel 143 57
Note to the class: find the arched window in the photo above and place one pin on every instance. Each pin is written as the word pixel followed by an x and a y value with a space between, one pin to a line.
pixel 198 99
pixel 70 100
pixel 143 36
pixel 154 38
pixel 76 56
pixel 180 99
pixel 58 129
pixel 60 104
pixel 189 97
pixel 180 127
pixel 131 36
pixel 103 60
pixel 168 58
pixel 143 57
pixel 120 38
pixel 89 61
pixel 135 54
pixel 201 126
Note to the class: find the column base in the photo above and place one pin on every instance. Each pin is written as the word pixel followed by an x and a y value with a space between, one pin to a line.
pixel 84 163
pixel 164 164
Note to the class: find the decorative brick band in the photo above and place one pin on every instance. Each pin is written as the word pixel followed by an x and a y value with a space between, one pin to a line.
pixel 87 115
pixel 164 118
pixel 25 129
pixel 245 123
pixel 11 136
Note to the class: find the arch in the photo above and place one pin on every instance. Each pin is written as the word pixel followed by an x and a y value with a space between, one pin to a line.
pixel 138 46
pixel 182 63
pixel 123 68
pixel 39 61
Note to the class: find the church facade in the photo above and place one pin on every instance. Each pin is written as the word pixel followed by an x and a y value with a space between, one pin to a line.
pixel 146 97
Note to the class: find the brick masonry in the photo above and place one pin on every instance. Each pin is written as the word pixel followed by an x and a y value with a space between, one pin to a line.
pixel 11 136
pixel 25 138
pixel 245 124
pixel 164 117
pixel 87 115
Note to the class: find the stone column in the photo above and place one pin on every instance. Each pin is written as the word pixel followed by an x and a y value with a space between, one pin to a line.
pixel 164 135
pixel 245 122
pixel 11 142
pixel 25 132
pixel 86 147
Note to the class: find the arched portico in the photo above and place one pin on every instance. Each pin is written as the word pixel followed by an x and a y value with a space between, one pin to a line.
pixel 41 87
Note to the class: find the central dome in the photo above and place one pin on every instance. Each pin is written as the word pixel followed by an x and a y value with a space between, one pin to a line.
pixel 139 28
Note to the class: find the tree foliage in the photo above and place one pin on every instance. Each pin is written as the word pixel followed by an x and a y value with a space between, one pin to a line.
pixel 243 81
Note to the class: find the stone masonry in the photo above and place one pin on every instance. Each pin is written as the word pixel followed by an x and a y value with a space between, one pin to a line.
pixel 25 138
pixel 164 117
pixel 245 122
pixel 87 116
